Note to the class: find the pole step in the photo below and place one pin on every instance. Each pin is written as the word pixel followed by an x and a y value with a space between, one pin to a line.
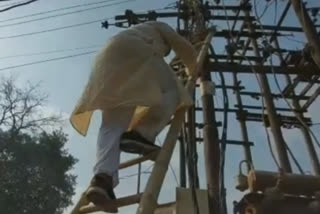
pixel 151 156
pixel 121 202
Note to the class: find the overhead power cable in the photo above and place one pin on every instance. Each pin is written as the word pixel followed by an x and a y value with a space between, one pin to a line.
pixel 18 5
pixel 10 4
pixel 48 52
pixel 54 29
pixel 47 60
pixel 55 10
pixel 64 14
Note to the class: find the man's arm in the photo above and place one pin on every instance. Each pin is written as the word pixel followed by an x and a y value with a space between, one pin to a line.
pixel 183 48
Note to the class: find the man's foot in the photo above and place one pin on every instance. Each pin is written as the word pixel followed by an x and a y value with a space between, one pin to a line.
pixel 101 191
pixel 133 142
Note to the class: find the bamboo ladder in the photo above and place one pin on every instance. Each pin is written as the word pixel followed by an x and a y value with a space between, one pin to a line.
pixel 148 199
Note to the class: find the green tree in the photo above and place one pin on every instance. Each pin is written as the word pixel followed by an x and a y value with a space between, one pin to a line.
pixel 34 166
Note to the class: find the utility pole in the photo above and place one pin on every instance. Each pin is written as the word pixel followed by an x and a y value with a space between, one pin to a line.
pixel 272 114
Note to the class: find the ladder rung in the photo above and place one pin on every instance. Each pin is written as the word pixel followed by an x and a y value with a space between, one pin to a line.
pixel 152 156
pixel 121 202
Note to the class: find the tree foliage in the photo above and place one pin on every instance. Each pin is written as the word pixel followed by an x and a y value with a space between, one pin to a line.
pixel 34 166
pixel 21 109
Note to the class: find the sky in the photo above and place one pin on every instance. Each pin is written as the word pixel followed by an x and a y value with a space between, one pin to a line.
pixel 64 80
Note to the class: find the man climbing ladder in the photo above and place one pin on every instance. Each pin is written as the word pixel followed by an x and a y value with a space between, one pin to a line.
pixel 137 93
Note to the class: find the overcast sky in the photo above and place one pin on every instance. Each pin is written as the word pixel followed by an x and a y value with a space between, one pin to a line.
pixel 65 79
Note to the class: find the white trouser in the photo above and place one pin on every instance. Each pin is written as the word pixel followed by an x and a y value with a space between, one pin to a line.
pixel 116 121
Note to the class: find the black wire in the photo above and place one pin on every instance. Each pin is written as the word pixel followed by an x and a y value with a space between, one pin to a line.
pixel 275 12
pixel 60 28
pixel 48 52
pixel 10 4
pixel 295 160
pixel 146 171
pixel 64 14
pixel 172 170
pixel 18 5
pixel 47 60
pixel 53 29
pixel 265 9
pixel 223 142
pixel 55 10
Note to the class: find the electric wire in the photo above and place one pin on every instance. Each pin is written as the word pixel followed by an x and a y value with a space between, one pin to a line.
pixel 10 4
pixel 64 14
pixel 275 11
pixel 64 27
pixel 294 40
pixel 54 29
pixel 171 168
pixel 17 5
pixel 295 160
pixel 265 9
pixel 55 10
pixel 146 171
pixel 223 141
pixel 47 60
pixel 48 52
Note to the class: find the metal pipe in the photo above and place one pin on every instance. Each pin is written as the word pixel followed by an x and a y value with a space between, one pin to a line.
pixel 211 146
pixel 183 180
pixel 139 178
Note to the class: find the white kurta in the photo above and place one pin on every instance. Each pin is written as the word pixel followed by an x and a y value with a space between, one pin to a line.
pixel 130 72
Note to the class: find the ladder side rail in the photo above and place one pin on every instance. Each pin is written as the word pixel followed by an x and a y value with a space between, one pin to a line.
pixel 149 199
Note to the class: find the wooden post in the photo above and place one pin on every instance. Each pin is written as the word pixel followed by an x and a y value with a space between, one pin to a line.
pixel 120 202
pixel 149 199
pixel 83 201
pixel 308 28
